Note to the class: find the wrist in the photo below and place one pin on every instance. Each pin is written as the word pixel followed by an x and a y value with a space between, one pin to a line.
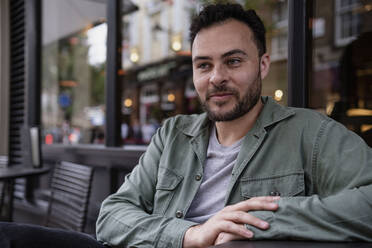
pixel 190 240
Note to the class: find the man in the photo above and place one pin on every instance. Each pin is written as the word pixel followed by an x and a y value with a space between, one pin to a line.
pixel 246 169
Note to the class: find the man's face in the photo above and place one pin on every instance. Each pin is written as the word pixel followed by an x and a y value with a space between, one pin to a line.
pixel 227 70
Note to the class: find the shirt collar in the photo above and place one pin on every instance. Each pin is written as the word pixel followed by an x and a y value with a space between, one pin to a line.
pixel 271 113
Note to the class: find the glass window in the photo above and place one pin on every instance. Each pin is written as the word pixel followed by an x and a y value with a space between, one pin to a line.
pixel 342 66
pixel 279 40
pixel 157 62
pixel 347 21
pixel 73 71
pixel 275 18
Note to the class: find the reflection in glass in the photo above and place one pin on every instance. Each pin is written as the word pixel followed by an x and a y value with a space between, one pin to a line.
pixel 342 68
pixel 73 71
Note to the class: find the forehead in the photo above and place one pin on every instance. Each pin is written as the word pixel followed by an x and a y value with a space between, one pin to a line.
pixel 223 37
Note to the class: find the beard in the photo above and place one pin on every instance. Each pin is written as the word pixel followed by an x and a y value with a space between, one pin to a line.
pixel 243 104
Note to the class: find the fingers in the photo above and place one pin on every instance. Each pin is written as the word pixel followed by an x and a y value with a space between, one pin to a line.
pixel 234 229
pixel 224 237
pixel 204 235
pixel 230 221
pixel 241 217
pixel 255 203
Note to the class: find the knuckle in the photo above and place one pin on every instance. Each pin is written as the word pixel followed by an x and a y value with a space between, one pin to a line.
pixel 227 226
pixel 227 208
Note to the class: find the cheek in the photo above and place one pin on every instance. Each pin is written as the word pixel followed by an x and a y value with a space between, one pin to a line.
pixel 201 84
pixel 245 79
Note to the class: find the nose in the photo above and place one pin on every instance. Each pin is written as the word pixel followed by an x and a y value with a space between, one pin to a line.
pixel 218 76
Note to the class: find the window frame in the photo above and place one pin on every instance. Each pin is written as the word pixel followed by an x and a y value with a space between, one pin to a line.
pixel 300 14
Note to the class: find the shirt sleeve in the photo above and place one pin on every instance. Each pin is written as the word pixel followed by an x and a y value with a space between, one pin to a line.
pixel 126 219
pixel 341 208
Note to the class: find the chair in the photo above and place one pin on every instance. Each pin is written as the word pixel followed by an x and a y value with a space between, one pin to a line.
pixel 2 198
pixel 70 190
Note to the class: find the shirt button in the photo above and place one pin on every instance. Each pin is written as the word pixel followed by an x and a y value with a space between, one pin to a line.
pixel 198 177
pixel 274 193
pixel 179 214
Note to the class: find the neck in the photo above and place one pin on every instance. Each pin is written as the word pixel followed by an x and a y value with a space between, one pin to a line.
pixel 228 132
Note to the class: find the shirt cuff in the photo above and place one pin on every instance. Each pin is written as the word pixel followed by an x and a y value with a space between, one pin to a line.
pixel 176 230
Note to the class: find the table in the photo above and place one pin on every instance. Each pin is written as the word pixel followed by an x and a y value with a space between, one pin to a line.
pixel 8 175
pixel 291 244
pixel 20 235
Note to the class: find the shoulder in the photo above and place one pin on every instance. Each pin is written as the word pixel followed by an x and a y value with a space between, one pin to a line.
pixel 323 128
pixel 309 118
pixel 309 114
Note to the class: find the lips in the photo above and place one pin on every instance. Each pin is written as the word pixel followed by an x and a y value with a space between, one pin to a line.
pixel 219 95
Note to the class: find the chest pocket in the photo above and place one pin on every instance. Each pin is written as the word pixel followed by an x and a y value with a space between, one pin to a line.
pixel 165 189
pixel 286 185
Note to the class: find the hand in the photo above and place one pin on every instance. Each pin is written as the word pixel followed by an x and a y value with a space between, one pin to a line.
pixel 225 237
pixel 230 220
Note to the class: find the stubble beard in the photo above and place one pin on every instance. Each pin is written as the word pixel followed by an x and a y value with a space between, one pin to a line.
pixel 243 105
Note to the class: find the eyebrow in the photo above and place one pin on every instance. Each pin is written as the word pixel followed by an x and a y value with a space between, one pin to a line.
pixel 201 58
pixel 227 54
pixel 232 52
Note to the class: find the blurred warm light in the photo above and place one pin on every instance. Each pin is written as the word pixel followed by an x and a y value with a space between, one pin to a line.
pixel 134 56
pixel 68 83
pixel 329 108
pixel 365 128
pixel 368 7
pixel 128 103
pixel 171 97
pixel 176 43
pixel 121 72
pixel 184 53
pixel 359 112
pixel 278 95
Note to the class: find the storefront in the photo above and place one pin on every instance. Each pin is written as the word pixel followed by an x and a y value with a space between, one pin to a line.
pixel 154 92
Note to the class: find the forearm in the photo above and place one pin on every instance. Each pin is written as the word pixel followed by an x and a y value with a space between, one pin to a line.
pixel 126 217
pixel 123 224
pixel 346 216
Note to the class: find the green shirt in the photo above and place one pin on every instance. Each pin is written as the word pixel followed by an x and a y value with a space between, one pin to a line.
pixel 322 171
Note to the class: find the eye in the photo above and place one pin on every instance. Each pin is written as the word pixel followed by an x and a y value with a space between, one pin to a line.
pixel 203 66
pixel 233 61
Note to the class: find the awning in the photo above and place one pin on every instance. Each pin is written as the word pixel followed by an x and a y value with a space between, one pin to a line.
pixel 63 18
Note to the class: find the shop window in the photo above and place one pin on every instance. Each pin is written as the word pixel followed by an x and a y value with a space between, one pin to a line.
pixel 341 75
pixel 157 64
pixel 73 71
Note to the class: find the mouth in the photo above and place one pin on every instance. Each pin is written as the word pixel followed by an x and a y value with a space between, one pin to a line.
pixel 220 96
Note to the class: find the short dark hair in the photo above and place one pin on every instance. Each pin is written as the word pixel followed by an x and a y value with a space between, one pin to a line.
pixel 218 13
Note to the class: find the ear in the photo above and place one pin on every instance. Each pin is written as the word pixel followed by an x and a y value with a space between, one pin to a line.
pixel 265 65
